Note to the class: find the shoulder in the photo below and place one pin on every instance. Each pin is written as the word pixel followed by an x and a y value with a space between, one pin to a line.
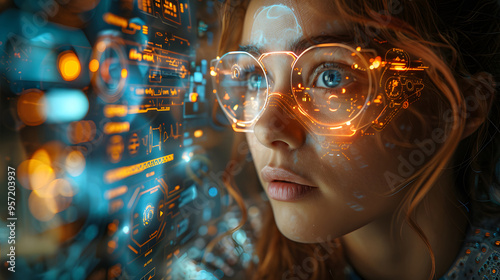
pixel 479 257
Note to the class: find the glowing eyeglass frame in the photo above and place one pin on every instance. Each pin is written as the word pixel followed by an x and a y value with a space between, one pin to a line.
pixel 347 128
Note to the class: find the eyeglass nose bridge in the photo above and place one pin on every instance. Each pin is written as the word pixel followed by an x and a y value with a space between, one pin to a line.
pixel 289 53
pixel 278 67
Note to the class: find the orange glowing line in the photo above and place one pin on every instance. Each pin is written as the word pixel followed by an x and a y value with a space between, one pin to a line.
pixel 292 54
pixel 115 111
pixel 116 127
pixel 399 68
pixel 113 19
pixel 121 173
pixel 302 111
pixel 336 127
pixel 132 248
pixel 110 194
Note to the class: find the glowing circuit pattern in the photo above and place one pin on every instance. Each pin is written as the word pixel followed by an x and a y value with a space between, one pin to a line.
pixel 337 98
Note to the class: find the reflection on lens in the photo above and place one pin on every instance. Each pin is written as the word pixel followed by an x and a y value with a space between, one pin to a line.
pixel 331 84
pixel 240 86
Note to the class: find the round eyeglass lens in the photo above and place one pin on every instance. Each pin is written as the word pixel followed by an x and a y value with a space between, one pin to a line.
pixel 241 86
pixel 331 83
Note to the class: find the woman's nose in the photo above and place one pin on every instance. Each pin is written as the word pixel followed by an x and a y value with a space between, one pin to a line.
pixel 278 126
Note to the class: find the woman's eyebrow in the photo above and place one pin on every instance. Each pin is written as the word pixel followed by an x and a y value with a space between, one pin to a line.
pixel 253 49
pixel 302 44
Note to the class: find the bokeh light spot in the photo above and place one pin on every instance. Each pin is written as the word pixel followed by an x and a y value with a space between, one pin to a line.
pixel 75 163
pixel 94 65
pixel 39 208
pixel 34 174
pixel 31 108
pixel 69 65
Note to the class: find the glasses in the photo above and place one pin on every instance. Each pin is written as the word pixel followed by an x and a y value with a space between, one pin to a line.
pixel 335 89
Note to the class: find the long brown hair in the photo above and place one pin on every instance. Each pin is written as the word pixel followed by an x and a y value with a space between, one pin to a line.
pixel 445 34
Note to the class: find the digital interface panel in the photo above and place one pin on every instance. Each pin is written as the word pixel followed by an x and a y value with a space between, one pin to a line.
pixel 112 156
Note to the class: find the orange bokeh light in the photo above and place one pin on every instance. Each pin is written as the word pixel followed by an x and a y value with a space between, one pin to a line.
pixel 94 65
pixel 34 174
pixel 75 163
pixel 39 208
pixel 69 66
pixel 124 73
pixel 198 133
pixel 193 97
pixel 31 107
pixel 81 131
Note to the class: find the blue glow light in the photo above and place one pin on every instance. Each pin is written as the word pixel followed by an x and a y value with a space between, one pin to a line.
pixel 66 105
pixel 212 191
pixel 91 232
pixel 203 230
pixel 219 273
pixel 188 195
pixel 246 257
pixel 125 229
pixel 240 237
pixel 207 214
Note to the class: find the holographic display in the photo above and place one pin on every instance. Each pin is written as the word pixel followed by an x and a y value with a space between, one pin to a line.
pixel 107 124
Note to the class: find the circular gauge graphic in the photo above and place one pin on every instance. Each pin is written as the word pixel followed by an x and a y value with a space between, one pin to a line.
pixel 109 68
pixel 147 215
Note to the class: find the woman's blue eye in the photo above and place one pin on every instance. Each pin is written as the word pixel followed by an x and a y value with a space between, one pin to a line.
pixel 329 79
pixel 254 82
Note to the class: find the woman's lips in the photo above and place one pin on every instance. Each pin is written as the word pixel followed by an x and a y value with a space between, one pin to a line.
pixel 284 185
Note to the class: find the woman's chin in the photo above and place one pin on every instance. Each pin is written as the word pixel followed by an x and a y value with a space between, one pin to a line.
pixel 298 226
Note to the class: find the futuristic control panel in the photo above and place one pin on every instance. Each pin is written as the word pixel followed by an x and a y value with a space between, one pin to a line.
pixel 107 139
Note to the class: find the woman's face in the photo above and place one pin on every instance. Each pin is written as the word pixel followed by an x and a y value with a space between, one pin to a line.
pixel 320 192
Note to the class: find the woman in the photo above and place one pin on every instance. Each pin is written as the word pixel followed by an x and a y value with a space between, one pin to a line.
pixel 372 126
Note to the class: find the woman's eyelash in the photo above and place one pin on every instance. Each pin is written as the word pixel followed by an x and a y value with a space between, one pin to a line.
pixel 248 68
pixel 326 66
pixel 329 65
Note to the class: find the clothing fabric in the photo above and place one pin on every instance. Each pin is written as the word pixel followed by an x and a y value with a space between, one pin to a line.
pixel 479 257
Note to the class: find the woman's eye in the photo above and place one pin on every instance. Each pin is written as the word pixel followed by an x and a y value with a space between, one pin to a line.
pixel 329 79
pixel 254 82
